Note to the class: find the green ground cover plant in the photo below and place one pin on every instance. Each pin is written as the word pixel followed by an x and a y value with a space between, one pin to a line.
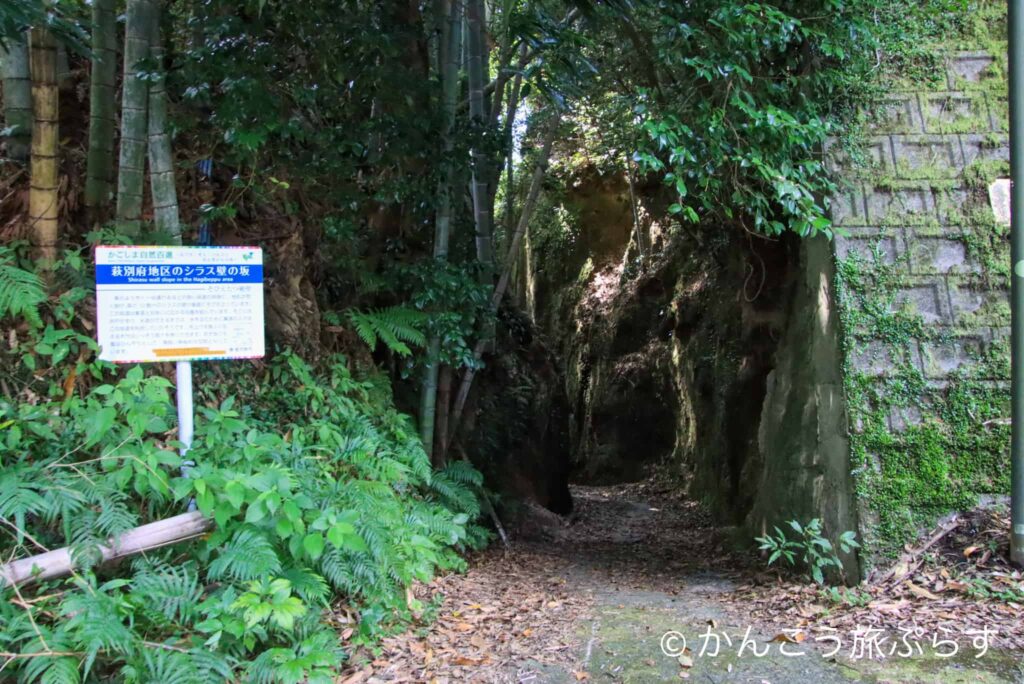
pixel 320 491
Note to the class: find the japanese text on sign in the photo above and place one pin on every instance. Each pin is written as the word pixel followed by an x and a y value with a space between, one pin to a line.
pixel 179 303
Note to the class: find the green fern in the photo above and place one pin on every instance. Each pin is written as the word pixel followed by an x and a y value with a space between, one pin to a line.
pixel 168 667
pixel 21 292
pixel 397 327
pixel 212 667
pixel 345 508
pixel 47 670
pixel 95 625
pixel 247 556
pixel 310 586
pixel 170 590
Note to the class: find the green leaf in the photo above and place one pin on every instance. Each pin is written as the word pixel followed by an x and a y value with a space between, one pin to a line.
pixel 338 533
pixel 235 493
pixel 283 527
pixel 354 542
pixel 255 512
pixel 206 502
pixel 98 423
pixel 313 544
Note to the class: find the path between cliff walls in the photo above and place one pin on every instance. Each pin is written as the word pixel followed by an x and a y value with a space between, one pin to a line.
pixel 595 601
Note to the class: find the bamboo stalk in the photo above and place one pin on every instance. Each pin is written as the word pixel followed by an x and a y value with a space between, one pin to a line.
pixel 154 535
pixel 161 159
pixel 43 199
pixel 499 290
pixel 476 47
pixel 444 406
pixel 508 141
pixel 134 116
pixel 17 97
pixel 99 182
pixel 442 231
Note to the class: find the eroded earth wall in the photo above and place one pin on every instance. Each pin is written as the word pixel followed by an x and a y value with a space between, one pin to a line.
pixel 861 381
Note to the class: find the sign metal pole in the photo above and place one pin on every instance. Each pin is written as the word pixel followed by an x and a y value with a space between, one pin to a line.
pixel 186 415
pixel 185 411
pixel 1016 63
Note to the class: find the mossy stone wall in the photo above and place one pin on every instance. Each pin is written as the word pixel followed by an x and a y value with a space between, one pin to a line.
pixel 922 287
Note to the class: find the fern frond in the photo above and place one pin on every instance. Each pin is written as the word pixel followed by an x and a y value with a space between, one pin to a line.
pixel 463 473
pixel 95 625
pixel 21 292
pixel 307 584
pixel 397 327
pixel 168 667
pixel 172 590
pixel 50 670
pixel 211 667
pixel 247 556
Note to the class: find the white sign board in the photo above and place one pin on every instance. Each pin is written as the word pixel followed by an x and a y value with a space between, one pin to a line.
pixel 179 303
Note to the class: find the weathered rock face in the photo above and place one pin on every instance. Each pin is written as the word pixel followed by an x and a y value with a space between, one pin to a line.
pixel 516 422
pixel 803 432
pixel 719 361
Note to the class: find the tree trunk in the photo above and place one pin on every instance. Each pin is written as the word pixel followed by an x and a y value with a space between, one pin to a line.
pixel 43 202
pixel 641 243
pixel 99 182
pixel 161 158
pixel 134 115
pixel 17 98
pixel 499 290
pixel 442 231
pixel 476 45
pixel 508 140
pixel 444 405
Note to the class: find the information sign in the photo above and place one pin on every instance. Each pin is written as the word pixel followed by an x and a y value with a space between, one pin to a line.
pixel 179 303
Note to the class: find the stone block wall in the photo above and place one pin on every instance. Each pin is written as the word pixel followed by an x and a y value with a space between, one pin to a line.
pixel 921 268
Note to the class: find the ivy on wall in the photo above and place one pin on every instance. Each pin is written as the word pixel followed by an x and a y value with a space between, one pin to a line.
pixel 927 389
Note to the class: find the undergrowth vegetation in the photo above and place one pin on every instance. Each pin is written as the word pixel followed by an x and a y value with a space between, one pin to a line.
pixel 324 502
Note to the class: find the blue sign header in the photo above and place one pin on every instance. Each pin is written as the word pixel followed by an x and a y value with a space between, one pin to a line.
pixel 178 274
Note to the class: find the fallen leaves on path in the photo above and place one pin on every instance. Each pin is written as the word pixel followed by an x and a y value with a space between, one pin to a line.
pixel 514 613
pixel 952 587
pixel 512 617
pixel 506 609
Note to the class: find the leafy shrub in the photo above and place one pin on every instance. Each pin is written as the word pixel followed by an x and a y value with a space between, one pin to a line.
pixel 319 488
pixel 809 550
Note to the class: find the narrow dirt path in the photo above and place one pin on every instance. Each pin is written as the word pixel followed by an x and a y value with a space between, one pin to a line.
pixel 634 572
